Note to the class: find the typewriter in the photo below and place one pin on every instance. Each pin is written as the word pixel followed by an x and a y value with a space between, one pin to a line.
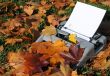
pixel 84 22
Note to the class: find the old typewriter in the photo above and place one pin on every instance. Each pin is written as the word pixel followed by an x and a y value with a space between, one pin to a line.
pixel 84 22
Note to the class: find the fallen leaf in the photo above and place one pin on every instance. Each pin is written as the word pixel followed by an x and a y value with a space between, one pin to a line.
pixel 59 4
pixel 65 69
pixel 53 20
pixel 1 48
pixel 25 63
pixel 12 41
pixel 43 2
pixel 107 3
pixel 1 71
pixel 42 11
pixel 76 52
pixel 49 30
pixel 72 38
pixel 101 60
pixel 50 18
pixel 74 73
pixel 56 58
pixel 29 10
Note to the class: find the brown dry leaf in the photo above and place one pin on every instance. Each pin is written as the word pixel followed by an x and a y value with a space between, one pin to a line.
pixel 65 69
pixel 12 41
pixel 74 73
pixel 107 3
pixel 59 4
pixel 49 30
pixel 29 10
pixel 53 20
pixel 41 47
pixel 1 48
pixel 23 62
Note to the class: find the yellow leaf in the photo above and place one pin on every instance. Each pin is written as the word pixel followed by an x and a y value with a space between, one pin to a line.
pixel 29 10
pixel 72 38
pixel 49 30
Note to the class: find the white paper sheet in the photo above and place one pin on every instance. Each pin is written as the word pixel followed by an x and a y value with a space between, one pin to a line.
pixel 84 20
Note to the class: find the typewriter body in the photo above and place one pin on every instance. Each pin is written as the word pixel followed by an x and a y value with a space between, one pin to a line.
pixel 92 41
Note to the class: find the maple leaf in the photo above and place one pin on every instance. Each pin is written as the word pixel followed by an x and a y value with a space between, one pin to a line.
pixel 40 47
pixel 49 30
pixel 29 10
pixel 76 52
pixel 60 46
pixel 50 50
pixel 12 41
pixel 25 63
